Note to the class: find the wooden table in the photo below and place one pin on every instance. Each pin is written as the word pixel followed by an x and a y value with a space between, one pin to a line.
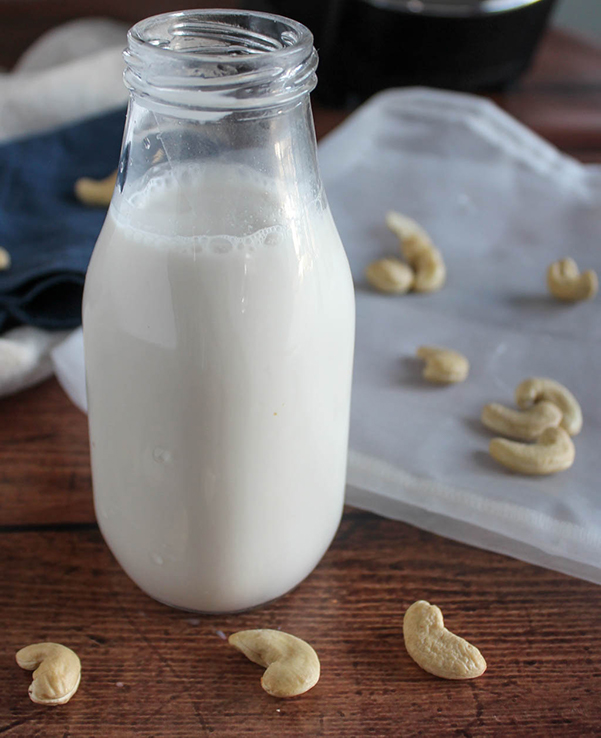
pixel 152 671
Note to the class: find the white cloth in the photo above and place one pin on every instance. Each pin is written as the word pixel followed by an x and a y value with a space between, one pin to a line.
pixel 25 357
pixel 56 82
pixel 70 73
pixel 74 40
pixel 501 204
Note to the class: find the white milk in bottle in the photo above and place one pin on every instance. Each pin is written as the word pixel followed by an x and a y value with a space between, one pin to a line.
pixel 219 329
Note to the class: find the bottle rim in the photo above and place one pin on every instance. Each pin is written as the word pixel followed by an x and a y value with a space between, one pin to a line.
pixel 219 59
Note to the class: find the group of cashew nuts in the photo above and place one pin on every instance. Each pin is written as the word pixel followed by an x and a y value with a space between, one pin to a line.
pixel 549 413
pixel 424 270
pixel 291 665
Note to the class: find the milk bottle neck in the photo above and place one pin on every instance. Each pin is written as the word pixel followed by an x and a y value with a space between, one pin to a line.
pixel 212 88
pixel 219 60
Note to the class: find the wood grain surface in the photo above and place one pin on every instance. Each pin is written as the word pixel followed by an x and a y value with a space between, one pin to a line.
pixel 149 670
pixel 155 672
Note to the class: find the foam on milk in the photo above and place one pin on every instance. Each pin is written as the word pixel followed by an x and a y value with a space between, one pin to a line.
pixel 218 331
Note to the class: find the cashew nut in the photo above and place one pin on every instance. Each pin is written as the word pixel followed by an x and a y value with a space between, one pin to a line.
pixel 566 283
pixel 4 259
pixel 436 649
pixel 409 232
pixel 292 666
pixel 430 271
pixel 96 192
pixel 419 251
pixel 443 365
pixel 527 425
pixel 553 452
pixel 390 275
pixel 57 672
pixel 535 389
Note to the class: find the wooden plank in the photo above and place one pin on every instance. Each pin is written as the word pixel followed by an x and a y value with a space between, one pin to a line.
pixel 564 60
pixel 570 120
pixel 44 459
pixel 149 670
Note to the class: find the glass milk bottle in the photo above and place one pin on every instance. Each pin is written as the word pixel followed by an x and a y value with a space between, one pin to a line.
pixel 219 319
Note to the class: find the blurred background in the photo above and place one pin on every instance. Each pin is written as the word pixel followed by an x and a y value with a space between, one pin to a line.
pixel 582 16
pixel 22 21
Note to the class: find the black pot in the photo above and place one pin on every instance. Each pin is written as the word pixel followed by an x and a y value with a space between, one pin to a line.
pixel 369 45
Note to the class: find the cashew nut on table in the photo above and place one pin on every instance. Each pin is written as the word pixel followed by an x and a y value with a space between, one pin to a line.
pixel 535 389
pixel 526 425
pixel 436 649
pixel 565 282
pixel 390 275
pixel 553 452
pixel 56 672
pixel 292 666
pixel 443 365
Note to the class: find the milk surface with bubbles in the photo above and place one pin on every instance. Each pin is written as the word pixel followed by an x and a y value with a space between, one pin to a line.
pixel 218 333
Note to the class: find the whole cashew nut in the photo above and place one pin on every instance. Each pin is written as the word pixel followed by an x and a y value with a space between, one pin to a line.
pixel 96 192
pixel 527 425
pixel 436 649
pixel 390 275
pixel 419 251
pixel 553 452
pixel 57 672
pixel 292 666
pixel 565 282
pixel 443 365
pixel 535 389
pixel 4 259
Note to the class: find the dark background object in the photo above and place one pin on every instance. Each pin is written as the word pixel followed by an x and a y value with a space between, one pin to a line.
pixel 370 45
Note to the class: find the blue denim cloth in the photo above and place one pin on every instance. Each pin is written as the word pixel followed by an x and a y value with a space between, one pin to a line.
pixel 48 233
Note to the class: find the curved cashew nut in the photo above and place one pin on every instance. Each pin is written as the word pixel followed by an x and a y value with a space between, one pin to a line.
pixel 430 271
pixel 565 282
pixel 57 672
pixel 4 259
pixel 419 251
pixel 96 192
pixel 443 365
pixel 553 452
pixel 292 666
pixel 436 649
pixel 527 425
pixel 409 232
pixel 535 389
pixel 390 275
